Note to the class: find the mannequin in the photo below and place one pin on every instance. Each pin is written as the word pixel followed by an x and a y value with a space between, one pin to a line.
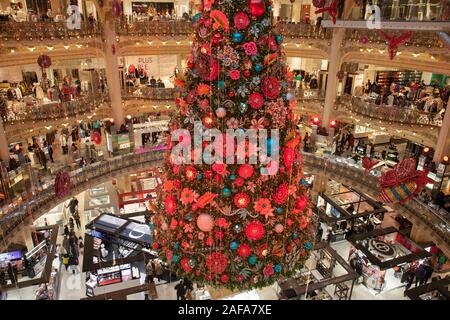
pixel 104 253
pixel 39 92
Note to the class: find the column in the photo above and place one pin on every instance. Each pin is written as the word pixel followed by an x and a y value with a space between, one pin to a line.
pixel 56 6
pixel 112 73
pixel 4 150
pixel 443 143
pixel 319 185
pixel 333 68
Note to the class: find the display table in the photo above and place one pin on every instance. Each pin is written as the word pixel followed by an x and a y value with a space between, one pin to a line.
pixel 341 290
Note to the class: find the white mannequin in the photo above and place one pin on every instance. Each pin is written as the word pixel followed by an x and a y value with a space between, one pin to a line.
pixel 104 253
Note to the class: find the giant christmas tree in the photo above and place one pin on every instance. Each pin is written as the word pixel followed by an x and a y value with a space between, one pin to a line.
pixel 236 225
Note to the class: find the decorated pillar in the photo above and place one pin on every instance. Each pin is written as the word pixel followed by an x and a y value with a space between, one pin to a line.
pixel 443 143
pixel 319 185
pixel 333 69
pixel 112 73
pixel 56 6
pixel 4 150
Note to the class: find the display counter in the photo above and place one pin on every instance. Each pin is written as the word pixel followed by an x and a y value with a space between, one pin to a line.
pixel 112 279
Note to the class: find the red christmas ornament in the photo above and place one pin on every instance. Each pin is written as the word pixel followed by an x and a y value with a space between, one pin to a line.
pixel 245 171
pixel 216 262
pixel 44 61
pixel 394 41
pixel 332 10
pixel 208 120
pixel 247 73
pixel 170 204
pixel 318 3
pixel 241 200
pixel 185 265
pixel 190 173
pixel 256 7
pixel 301 203
pixel 244 250
pixel 231 94
pixel 255 231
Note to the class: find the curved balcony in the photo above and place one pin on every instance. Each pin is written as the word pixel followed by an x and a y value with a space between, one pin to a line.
pixel 148 93
pixel 169 28
pixel 11 30
pixel 337 168
pixel 81 179
pixel 22 112
pixel 391 113
pixel 422 39
pixel 303 30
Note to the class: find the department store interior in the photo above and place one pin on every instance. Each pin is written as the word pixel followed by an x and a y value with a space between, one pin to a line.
pixel 88 94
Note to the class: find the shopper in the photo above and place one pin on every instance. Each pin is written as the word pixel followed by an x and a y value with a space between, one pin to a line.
pixel 71 225
pixel 12 273
pixel 159 270
pixel 50 153
pixel 66 261
pixel 189 287
pixel 150 267
pixel 181 291
pixel 76 216
pixel 66 230
pixel 428 273
pixel 420 274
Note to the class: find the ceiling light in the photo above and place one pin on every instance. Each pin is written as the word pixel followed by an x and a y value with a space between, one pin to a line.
pixel 31 49
pixel 399 53
pixel 415 55
pixel 164 43
pixel 138 43
pixel 369 50
pixel 178 42
pixel 150 43
pixel 12 50
pixel 79 46
pixel 381 51
pixel 298 45
pixel 66 47
pixel 50 48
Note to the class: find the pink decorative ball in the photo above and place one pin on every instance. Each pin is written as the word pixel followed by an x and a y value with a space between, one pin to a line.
pixel 205 222
pixel 279 228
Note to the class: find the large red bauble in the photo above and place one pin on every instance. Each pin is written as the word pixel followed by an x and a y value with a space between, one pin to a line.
pixel 301 203
pixel 245 171
pixel 255 231
pixel 244 250
pixel 257 7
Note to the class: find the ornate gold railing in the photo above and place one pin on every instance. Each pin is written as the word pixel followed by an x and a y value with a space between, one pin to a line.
pixel 335 167
pixel 12 30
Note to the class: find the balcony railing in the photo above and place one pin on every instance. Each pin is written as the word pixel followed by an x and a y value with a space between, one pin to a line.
pixel 55 110
pixel 89 176
pixel 45 199
pixel 411 11
pixel 390 113
pixel 150 93
pixel 302 30
pixel 11 30
pixel 158 28
pixel 422 39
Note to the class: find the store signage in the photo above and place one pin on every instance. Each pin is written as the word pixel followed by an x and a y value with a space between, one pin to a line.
pixel 124 146
pixel 139 231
